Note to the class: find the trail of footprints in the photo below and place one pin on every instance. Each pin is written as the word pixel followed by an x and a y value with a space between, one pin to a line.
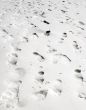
pixel 47 49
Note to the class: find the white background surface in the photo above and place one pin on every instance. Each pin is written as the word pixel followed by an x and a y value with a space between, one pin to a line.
pixel 16 18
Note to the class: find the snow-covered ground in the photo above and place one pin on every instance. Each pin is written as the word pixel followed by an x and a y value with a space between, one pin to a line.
pixel 42 55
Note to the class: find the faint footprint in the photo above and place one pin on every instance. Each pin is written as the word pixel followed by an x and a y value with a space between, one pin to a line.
pixel 20 71
pixel 41 94
pixel 56 87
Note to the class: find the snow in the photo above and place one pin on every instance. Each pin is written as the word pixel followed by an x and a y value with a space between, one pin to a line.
pixel 42 55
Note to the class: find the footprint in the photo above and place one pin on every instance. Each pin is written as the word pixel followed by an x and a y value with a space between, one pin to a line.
pixel 41 72
pixel 41 95
pixel 82 95
pixel 20 71
pixel 22 103
pixel 12 61
pixel 56 87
